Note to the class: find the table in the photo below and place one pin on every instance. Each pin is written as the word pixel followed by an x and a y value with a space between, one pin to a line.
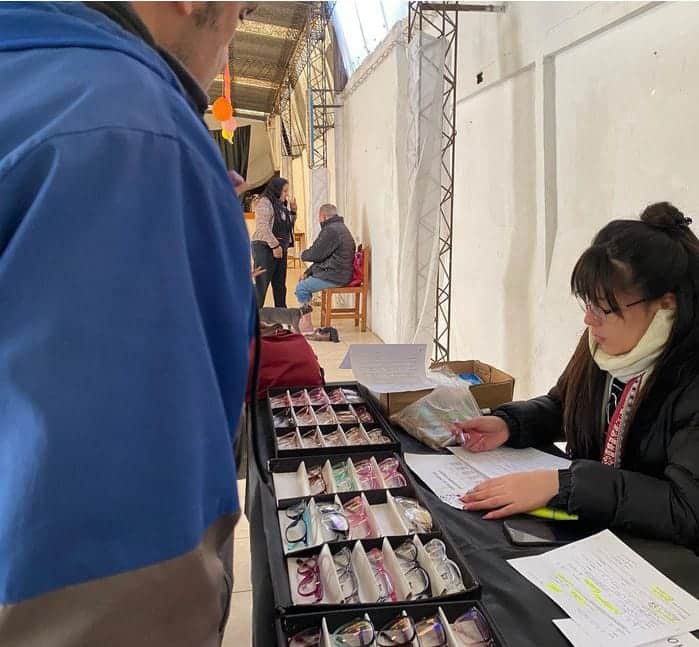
pixel 522 612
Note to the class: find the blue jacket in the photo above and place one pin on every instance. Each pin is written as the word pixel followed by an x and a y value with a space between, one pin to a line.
pixel 125 306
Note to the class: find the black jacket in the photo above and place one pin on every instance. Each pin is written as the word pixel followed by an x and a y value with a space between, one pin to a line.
pixel 655 493
pixel 332 254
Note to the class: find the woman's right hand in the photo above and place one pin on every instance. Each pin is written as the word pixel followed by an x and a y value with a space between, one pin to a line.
pixel 278 252
pixel 482 434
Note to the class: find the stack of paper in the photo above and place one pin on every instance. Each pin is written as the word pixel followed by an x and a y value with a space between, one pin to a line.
pixel 449 477
pixel 612 595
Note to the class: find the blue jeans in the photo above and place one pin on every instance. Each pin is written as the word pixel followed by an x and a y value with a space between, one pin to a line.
pixel 306 287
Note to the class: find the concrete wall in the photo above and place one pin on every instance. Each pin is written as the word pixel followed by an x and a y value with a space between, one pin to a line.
pixel 586 113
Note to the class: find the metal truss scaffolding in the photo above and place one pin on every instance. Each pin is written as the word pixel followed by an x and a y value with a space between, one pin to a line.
pixel 320 90
pixel 441 20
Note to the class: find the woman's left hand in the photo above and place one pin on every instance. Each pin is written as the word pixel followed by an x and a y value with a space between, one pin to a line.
pixel 512 494
pixel 292 204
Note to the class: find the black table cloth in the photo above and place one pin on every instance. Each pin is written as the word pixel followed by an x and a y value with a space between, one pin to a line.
pixel 523 613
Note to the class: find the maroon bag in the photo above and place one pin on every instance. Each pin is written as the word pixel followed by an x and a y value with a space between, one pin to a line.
pixel 286 359
pixel 357 268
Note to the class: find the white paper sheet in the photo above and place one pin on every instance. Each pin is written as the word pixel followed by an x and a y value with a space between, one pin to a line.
pixel 577 636
pixel 611 591
pixel 389 368
pixel 447 476
pixel 506 460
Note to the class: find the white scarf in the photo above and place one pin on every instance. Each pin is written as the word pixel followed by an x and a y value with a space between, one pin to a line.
pixel 642 357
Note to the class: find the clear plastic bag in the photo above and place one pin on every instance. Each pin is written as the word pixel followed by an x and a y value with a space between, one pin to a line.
pixel 431 418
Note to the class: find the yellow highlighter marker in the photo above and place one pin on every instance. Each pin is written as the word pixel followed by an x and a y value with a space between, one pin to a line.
pixel 554 515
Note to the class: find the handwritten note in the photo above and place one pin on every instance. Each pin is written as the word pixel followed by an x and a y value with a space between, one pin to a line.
pixel 611 591
pixel 389 368
pixel 447 476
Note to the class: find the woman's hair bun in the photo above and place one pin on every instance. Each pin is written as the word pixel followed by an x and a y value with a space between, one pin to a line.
pixel 665 216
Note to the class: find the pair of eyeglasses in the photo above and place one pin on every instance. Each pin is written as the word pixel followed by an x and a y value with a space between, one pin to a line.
pixel 317 396
pixel 335 438
pixel 416 576
pixel 310 584
pixel 384 581
pixel 378 437
pixel 355 436
pixel 416 518
pixel 346 575
pixel 391 476
pixel 359 519
pixel 288 441
pixel 368 479
pixel 600 313
pixel 299 399
pixel 346 417
pixel 364 414
pixel 279 401
pixel 344 482
pixel 316 482
pixel 312 439
pixel 297 531
pixel 336 396
pixel 326 416
pixel 334 520
pixel 447 569
pixel 470 630
pixel 284 418
pixel 305 417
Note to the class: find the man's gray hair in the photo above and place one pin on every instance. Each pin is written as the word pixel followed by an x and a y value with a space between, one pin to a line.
pixel 329 210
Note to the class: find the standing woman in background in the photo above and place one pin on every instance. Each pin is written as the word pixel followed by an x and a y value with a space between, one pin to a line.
pixel 273 235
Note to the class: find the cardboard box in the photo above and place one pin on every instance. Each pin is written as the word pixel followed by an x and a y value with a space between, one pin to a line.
pixel 497 388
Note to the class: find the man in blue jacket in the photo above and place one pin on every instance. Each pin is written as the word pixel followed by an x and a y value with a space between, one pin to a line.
pixel 126 311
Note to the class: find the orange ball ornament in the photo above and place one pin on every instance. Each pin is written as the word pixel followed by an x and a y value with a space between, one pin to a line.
pixel 222 109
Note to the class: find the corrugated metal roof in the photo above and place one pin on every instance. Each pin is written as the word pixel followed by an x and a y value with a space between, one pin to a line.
pixel 260 53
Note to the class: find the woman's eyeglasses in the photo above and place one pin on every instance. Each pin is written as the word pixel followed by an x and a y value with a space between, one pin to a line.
pixel 312 439
pixel 326 416
pixel 283 418
pixel 447 569
pixel 600 313
pixel 305 417
pixel 378 437
pixel 335 439
pixel 334 520
pixel 288 441
pixel 416 576
pixel 364 414
pixel 355 436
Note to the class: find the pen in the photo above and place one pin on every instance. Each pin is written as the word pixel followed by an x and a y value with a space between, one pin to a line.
pixel 555 515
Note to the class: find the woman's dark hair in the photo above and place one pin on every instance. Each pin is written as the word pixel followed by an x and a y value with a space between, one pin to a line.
pixel 274 188
pixel 653 256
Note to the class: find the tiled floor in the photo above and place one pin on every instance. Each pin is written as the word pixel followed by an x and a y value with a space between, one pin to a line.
pixel 239 630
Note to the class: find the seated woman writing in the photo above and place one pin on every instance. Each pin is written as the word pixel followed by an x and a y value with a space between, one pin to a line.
pixel 628 401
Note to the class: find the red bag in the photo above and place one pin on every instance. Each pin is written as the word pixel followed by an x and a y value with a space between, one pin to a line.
pixel 357 268
pixel 286 359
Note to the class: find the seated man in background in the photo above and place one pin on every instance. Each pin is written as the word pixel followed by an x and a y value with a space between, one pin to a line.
pixel 332 255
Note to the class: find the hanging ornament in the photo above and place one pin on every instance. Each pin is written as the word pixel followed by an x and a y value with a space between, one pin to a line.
pixel 230 125
pixel 222 109
pixel 227 135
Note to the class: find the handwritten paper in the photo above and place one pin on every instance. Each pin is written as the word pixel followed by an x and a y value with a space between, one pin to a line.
pixel 447 476
pixel 579 638
pixel 389 368
pixel 506 460
pixel 611 591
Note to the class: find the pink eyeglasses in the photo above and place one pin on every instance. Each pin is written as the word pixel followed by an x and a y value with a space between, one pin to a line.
pixel 391 476
pixel 384 581
pixel 310 584
pixel 360 526
pixel 367 475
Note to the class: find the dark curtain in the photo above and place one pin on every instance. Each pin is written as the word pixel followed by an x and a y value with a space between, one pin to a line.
pixel 235 155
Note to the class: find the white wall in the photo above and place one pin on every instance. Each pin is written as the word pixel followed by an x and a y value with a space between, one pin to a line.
pixel 587 113
pixel 370 167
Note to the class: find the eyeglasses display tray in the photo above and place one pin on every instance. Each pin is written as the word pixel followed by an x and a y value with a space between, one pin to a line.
pixel 338 418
